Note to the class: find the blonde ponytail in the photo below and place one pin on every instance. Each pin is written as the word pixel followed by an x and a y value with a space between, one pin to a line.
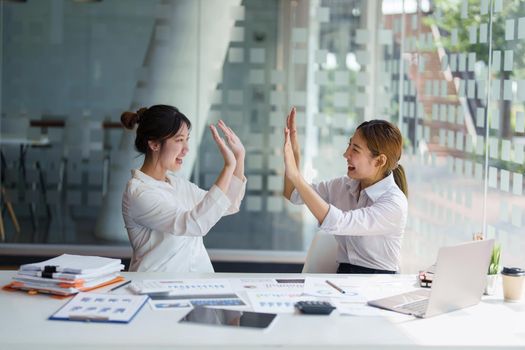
pixel 401 179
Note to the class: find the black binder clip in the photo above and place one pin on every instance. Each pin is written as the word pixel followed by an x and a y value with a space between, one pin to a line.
pixel 425 279
pixel 49 270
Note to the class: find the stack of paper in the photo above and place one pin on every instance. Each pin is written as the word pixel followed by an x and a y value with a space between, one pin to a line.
pixel 68 274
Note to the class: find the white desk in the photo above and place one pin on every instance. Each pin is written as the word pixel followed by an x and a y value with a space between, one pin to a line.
pixel 24 141
pixel 492 323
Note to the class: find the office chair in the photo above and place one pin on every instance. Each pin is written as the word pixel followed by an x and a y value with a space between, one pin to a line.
pixel 5 201
pixel 321 256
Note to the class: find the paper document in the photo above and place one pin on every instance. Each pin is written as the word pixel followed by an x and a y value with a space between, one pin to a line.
pixel 380 286
pixel 345 307
pixel 275 302
pixel 87 282
pixel 101 308
pixel 185 287
pixel 169 301
pixel 166 305
pixel 73 276
pixel 268 284
pixel 65 289
pixel 72 264
pixel 319 287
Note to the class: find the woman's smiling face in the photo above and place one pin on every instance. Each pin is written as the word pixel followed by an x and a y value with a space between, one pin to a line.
pixel 361 163
pixel 174 149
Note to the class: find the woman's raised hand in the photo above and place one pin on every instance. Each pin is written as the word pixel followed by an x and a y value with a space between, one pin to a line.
pixel 291 126
pixel 233 141
pixel 227 153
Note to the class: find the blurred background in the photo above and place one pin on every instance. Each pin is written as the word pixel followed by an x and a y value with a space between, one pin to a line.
pixel 449 73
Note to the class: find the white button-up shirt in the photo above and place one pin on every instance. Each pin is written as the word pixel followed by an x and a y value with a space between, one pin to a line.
pixel 369 225
pixel 166 221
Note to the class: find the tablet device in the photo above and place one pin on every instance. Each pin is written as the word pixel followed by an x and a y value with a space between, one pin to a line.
pixel 231 318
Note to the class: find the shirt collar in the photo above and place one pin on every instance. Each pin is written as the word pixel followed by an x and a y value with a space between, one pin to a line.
pixel 376 190
pixel 137 174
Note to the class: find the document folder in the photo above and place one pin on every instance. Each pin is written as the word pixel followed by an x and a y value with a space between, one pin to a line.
pixel 93 307
pixel 75 264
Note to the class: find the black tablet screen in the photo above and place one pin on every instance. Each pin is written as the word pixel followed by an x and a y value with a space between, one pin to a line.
pixel 209 316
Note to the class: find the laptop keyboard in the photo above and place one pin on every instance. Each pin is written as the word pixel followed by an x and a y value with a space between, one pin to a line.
pixel 418 307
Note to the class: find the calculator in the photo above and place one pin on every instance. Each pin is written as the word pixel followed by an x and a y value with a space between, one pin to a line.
pixel 314 307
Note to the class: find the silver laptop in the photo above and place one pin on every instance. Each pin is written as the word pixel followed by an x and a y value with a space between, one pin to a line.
pixel 459 281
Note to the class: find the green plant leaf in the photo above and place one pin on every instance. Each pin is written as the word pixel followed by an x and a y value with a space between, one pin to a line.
pixel 494 259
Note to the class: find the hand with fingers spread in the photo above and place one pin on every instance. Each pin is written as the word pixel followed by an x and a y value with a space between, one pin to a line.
pixel 233 141
pixel 292 155
pixel 227 153
pixel 292 127
pixel 290 166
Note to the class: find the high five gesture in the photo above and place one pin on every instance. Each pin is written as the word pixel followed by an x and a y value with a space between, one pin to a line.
pixel 292 154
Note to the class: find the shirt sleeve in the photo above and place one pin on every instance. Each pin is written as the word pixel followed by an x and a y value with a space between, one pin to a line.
pixel 151 210
pixel 381 218
pixel 322 188
pixel 235 194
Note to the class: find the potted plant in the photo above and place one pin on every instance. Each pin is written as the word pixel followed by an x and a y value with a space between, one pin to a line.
pixel 493 271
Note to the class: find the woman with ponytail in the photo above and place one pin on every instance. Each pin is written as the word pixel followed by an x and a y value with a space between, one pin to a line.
pixel 366 210
pixel 166 216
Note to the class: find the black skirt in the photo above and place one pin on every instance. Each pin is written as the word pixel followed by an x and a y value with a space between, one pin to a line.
pixel 350 268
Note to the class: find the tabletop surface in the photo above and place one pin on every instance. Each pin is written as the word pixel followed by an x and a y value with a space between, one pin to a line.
pixel 23 141
pixel 24 323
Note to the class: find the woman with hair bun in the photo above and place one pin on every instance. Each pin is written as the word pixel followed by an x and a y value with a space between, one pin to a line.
pixel 366 210
pixel 167 216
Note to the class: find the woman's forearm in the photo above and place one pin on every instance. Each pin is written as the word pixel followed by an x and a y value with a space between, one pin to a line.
pixel 224 178
pixel 239 169
pixel 288 188
pixel 288 185
pixel 318 207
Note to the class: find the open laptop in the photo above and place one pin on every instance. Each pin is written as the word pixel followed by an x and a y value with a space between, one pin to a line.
pixel 459 282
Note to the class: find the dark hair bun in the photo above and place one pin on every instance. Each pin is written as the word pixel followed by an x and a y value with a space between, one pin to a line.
pixel 129 119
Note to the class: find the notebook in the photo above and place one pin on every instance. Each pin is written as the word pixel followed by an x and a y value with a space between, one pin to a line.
pixel 458 282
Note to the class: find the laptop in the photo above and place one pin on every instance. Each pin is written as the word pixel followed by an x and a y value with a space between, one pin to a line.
pixel 459 282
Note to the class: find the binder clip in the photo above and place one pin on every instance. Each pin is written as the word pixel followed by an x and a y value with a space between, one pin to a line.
pixel 49 270
pixel 425 279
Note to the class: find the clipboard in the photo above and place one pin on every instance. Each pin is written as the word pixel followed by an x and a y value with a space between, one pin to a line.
pixel 92 307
